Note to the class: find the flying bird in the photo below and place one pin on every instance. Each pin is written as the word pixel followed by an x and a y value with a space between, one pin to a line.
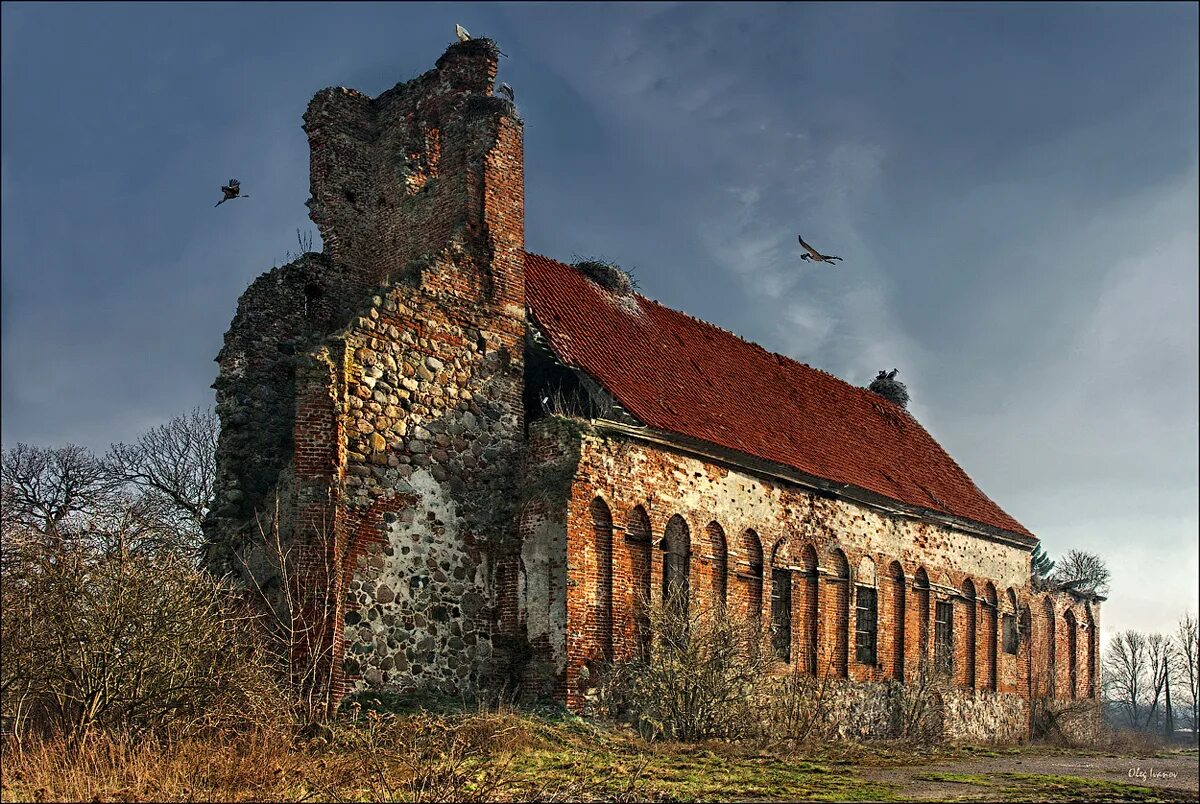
pixel 813 254
pixel 461 33
pixel 231 191
pixel 507 92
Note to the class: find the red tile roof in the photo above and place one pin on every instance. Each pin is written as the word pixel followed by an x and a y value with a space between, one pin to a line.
pixel 677 373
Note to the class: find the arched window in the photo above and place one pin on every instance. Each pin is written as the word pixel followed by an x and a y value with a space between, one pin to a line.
pixel 637 594
pixel 808 593
pixel 967 679
pixel 677 549
pixel 1072 629
pixel 921 592
pixel 1010 632
pixel 750 575
pixel 894 612
pixel 839 586
pixel 601 566
pixel 990 627
pixel 1051 629
pixel 718 562
pixel 866 614
pixel 781 601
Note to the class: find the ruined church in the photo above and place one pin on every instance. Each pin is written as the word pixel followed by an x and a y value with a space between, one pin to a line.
pixel 484 459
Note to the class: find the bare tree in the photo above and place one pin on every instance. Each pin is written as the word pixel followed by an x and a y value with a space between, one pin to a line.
pixel 1188 662
pixel 173 464
pixel 291 584
pixel 1082 572
pixel 1126 665
pixel 47 490
pixel 1158 653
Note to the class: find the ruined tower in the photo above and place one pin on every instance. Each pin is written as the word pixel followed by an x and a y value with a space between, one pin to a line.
pixel 371 395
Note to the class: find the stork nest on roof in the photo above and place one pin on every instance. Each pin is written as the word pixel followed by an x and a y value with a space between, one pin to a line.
pixel 607 275
pixel 887 386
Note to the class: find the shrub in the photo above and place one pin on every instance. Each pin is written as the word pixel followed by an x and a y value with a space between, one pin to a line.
pixel 114 640
pixel 699 680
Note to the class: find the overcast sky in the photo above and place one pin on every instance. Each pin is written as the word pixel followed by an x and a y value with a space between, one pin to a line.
pixel 1013 189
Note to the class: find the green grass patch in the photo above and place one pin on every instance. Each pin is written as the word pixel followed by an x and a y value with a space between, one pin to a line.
pixel 955 778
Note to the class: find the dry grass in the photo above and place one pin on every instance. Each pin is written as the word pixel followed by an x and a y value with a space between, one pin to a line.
pixel 114 767
pixel 488 756
pixel 485 755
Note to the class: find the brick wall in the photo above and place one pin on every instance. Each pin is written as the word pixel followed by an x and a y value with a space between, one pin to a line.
pixel 830 549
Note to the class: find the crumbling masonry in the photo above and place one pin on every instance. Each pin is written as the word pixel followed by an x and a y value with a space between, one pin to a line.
pixel 394 407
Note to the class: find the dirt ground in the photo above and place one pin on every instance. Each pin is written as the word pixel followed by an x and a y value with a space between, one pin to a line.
pixel 1176 776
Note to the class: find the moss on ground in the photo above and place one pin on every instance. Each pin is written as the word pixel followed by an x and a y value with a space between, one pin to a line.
pixel 1054 788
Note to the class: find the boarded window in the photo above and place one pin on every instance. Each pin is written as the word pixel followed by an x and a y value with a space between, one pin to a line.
pixel 1012 637
pixel 943 637
pixel 866 618
pixel 781 613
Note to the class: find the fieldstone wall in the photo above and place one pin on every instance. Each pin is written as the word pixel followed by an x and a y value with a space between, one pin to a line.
pixel 980 717
pixel 432 429
pixel 371 396
pixel 872 710
pixel 283 315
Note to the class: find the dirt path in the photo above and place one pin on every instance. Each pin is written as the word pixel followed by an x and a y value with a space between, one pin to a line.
pixel 1177 775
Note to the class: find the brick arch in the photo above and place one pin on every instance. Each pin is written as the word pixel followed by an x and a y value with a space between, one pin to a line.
pixel 923 603
pixel 750 576
pixel 1025 651
pixel 808 596
pixel 991 623
pixel 781 552
pixel 966 678
pixel 635 572
pixel 892 615
pixel 864 599
pixel 1049 647
pixel 1071 627
pixel 676 559
pixel 783 632
pixel 838 605
pixel 599 573
pixel 718 562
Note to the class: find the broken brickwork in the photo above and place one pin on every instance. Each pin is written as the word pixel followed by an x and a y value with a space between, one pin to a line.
pixel 386 404
pixel 377 406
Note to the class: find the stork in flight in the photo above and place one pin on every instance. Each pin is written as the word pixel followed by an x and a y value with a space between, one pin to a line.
pixel 461 33
pixel 813 254
pixel 507 92
pixel 231 191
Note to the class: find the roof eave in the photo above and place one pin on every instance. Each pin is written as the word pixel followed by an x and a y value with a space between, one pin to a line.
pixel 769 469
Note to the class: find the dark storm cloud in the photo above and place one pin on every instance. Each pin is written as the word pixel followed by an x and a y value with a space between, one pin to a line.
pixel 1013 188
